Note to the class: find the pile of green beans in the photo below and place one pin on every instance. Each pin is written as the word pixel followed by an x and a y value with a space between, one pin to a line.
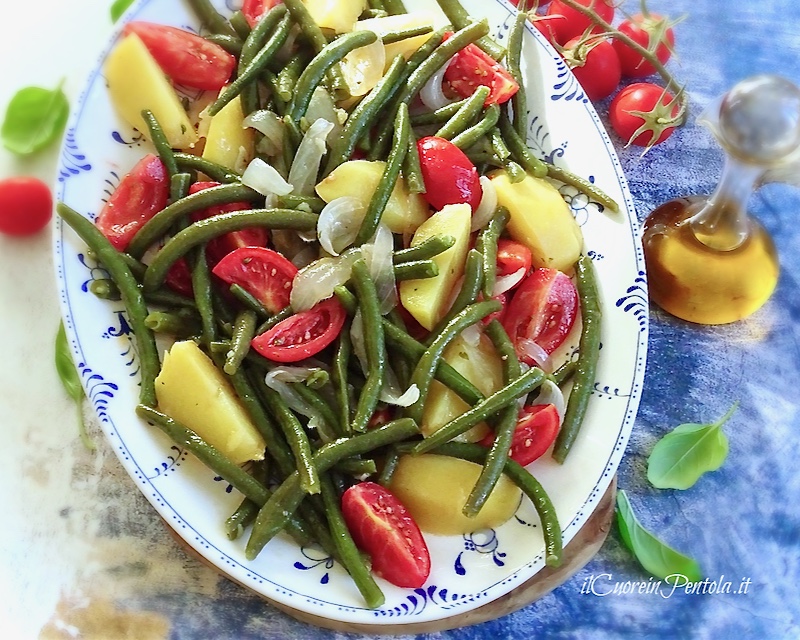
pixel 310 461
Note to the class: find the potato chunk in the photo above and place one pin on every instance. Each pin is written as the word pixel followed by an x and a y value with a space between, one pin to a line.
pixel 229 143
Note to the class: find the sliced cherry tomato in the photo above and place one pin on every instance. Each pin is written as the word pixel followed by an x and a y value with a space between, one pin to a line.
pixel 472 67
pixel 302 335
pixel 254 10
pixel 571 23
pixel 595 65
pixel 383 527
pixel 379 417
pixel 536 430
pixel 512 256
pixel 449 175
pixel 643 97
pixel 26 206
pixel 179 278
pixel 140 195
pixel 263 273
pixel 219 247
pixel 542 310
pixel 497 315
pixel 644 30
pixel 185 57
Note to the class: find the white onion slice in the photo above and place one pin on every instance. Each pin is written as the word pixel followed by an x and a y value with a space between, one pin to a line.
pixel 536 353
pixel 362 68
pixel 550 393
pixel 432 94
pixel 357 340
pixel 271 126
pixel 406 399
pixel 486 209
pixel 279 379
pixel 305 166
pixel 265 179
pixel 339 222
pixel 317 281
pixel 323 106
pixel 378 256
pixel 504 283
pixel 472 334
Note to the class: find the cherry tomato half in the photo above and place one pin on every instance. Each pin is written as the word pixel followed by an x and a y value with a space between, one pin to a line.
pixel 542 310
pixel 26 206
pixel 140 195
pixel 512 256
pixel 383 527
pixel 263 273
pixel 536 430
pixel 218 248
pixel 254 10
pixel 472 67
pixel 185 57
pixel 302 335
pixel 573 23
pixel 449 175
pixel 644 31
pixel 644 97
pixel 595 65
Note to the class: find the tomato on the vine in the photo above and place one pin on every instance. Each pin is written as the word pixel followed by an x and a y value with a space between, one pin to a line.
pixel 449 175
pixel 647 31
pixel 26 206
pixel 595 64
pixel 537 427
pixel 568 23
pixel 643 105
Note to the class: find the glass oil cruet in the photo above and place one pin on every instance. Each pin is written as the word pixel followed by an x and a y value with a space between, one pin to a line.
pixel 708 261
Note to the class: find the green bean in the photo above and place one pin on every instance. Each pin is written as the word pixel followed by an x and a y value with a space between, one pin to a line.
pixel 210 456
pixel 373 343
pixel 362 117
pixel 563 373
pixel 204 230
pixel 470 136
pixel 487 245
pixel 376 5
pixel 328 426
pixel 244 330
pixel 160 223
pixel 389 467
pixel 442 114
pixel 504 431
pixel 240 24
pixel 416 270
pixel 249 300
pixel 259 36
pixel 460 19
pixel 201 286
pixel 372 13
pixel 425 250
pixel 582 185
pixel 131 295
pixel 412 169
pixel 519 149
pixel 515 172
pixel 523 385
pixel 586 369
pixel 312 75
pixel 341 361
pixel 391 173
pixel 425 370
pixel 160 142
pixel 167 298
pixel 254 68
pixel 231 44
pixel 394 7
pixel 499 145
pixel 210 19
pixel 239 520
pixel 357 467
pixel 181 323
pixel 274 514
pixel 293 201
pixel 464 117
pixel 470 286
pixel 351 557
pixel 213 170
pixel 289 75
pixel 519 100
pixel 105 289
pixel 286 312
pixel 551 528
pixel 403 34
pixel 179 185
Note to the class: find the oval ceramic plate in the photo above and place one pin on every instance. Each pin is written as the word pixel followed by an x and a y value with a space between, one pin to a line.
pixel 468 571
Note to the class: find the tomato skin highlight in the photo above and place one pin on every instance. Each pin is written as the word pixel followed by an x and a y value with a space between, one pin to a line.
pixel 639 29
pixel 542 310
pixel 186 58
pixel 641 96
pixel 472 67
pixel 254 10
pixel 569 23
pixel 600 73
pixel 383 527
pixel 302 335
pixel 266 274
pixel 537 428
pixel 26 206
pixel 140 195
pixel 449 175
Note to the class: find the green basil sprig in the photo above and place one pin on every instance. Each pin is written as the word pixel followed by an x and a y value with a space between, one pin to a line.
pixel 656 557
pixel 687 452
pixel 35 118
pixel 71 381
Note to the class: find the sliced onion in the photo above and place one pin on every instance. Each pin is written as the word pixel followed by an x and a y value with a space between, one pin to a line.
pixel 487 207
pixel 390 395
pixel 472 334
pixel 432 94
pixel 378 256
pixel 339 222
pixel 536 353
pixel 357 340
pixel 550 393
pixel 271 126
pixel 305 166
pixel 362 68
pixel 323 106
pixel 504 283
pixel 265 179
pixel 317 281
pixel 279 379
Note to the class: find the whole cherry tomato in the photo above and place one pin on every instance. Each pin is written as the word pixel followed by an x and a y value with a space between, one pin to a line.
pixel 573 23
pixel 449 175
pixel 645 98
pixel 595 65
pixel 26 206
pixel 645 31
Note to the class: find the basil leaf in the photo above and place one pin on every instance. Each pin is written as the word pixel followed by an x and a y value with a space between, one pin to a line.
pixel 657 558
pixel 35 117
pixel 687 452
pixel 66 367
pixel 118 8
